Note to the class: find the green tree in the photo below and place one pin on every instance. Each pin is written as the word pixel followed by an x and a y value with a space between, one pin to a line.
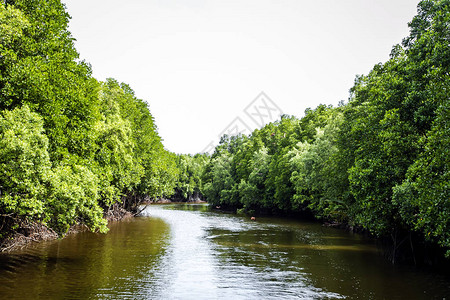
pixel 252 189
pixel 141 167
pixel 220 184
pixel 39 67
pixel 191 169
pixel 24 163
pixel 72 197
pixel 423 197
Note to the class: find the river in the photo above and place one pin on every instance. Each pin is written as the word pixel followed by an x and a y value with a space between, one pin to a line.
pixel 189 252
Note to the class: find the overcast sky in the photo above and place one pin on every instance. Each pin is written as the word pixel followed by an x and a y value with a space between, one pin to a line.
pixel 200 63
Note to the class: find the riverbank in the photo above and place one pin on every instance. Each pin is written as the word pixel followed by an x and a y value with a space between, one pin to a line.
pixel 412 252
pixel 28 232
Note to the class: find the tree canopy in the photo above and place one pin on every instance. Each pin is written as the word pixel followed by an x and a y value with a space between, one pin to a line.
pixel 71 146
pixel 380 162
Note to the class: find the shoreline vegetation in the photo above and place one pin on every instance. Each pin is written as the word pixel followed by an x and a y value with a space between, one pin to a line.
pixel 76 152
pixel 28 232
pixel 72 148
pixel 378 162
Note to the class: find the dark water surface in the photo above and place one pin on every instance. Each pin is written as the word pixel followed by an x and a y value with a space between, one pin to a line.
pixel 189 252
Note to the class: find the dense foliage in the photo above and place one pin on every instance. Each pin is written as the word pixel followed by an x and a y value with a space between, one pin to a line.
pixel 380 162
pixel 190 184
pixel 70 146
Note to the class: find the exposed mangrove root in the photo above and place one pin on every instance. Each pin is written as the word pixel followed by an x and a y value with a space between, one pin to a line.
pixel 117 213
pixel 20 233
pixel 26 233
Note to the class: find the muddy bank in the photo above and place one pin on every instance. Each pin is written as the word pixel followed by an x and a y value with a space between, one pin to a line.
pixel 24 232
pixel 28 232
pixel 117 213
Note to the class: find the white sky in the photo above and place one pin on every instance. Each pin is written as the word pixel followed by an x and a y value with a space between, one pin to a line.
pixel 199 63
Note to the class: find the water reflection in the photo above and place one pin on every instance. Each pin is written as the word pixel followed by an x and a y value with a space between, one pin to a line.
pixel 189 252
pixel 228 260
pixel 127 261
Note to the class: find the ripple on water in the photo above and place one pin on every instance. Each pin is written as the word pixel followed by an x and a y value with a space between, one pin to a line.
pixel 195 254
pixel 219 257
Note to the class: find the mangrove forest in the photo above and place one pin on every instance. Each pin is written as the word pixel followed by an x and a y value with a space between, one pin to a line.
pixel 74 149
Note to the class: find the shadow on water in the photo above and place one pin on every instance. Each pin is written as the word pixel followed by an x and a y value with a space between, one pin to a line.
pixel 329 259
pixel 183 251
pixel 88 265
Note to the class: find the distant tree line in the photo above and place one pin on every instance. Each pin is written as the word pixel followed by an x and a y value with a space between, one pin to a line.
pixel 380 162
pixel 189 184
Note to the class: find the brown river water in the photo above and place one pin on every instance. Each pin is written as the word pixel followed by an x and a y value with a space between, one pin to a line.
pixel 181 251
